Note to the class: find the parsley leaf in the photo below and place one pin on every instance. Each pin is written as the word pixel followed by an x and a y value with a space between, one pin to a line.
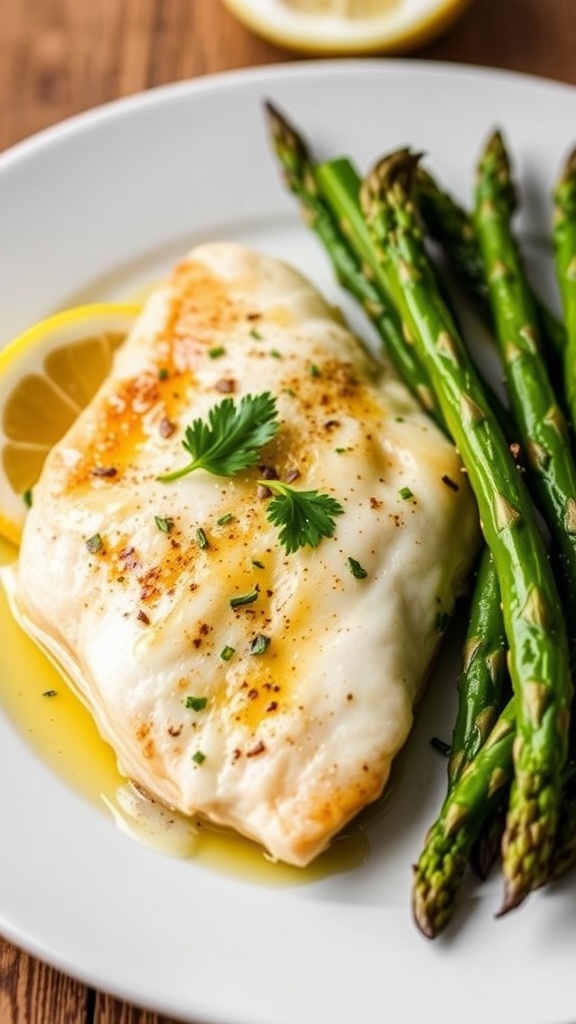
pixel 357 570
pixel 303 517
pixel 196 703
pixel 230 439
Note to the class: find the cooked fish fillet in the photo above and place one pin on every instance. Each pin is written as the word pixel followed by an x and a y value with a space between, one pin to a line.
pixel 293 741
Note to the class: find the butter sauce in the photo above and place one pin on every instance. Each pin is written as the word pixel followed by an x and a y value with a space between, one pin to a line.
pixel 36 697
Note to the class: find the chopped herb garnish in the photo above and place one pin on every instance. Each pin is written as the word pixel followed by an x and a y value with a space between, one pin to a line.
pixel 224 519
pixel 257 564
pixel 227 653
pixel 216 352
pixel 196 703
pixel 162 373
pixel 303 517
pixel 340 451
pixel 230 439
pixel 94 543
pixel 202 539
pixel 405 493
pixel 256 334
pixel 357 570
pixel 228 518
pixel 242 599
pixel 163 524
pixel 27 498
pixel 198 757
pixel 50 693
pixel 289 392
pixel 259 644
pixel 313 370
pixel 276 354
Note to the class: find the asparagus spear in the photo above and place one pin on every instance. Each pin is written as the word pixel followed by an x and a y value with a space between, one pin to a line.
pixel 543 430
pixel 484 675
pixel 452 227
pixel 564 238
pixel 483 685
pixel 450 224
pixel 538 647
pixel 479 791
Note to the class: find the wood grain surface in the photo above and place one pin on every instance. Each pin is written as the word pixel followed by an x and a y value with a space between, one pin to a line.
pixel 59 57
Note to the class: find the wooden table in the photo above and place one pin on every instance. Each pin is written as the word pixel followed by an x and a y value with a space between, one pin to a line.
pixel 59 57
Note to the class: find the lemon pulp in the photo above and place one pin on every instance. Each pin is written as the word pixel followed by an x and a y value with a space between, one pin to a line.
pixel 47 376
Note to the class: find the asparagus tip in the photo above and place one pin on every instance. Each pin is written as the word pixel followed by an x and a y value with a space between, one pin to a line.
pixel 514 896
pixel 395 170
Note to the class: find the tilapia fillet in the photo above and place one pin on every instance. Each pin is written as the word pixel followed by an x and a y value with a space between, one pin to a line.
pixel 279 718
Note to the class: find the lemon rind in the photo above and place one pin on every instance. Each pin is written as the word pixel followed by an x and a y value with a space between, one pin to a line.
pixel 332 36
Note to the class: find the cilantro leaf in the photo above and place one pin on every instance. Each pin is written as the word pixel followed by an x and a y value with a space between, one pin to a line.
pixel 303 517
pixel 231 437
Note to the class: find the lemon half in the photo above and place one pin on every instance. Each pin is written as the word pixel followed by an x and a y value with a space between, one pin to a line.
pixel 333 27
pixel 47 376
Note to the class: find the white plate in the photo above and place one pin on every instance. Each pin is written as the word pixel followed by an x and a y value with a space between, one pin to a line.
pixel 91 209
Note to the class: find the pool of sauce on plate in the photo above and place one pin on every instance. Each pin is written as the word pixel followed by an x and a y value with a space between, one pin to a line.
pixel 57 726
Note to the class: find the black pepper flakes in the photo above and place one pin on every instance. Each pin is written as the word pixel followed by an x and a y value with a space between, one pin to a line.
pixel 450 482
pixel 166 427
pixel 258 749
pixel 292 475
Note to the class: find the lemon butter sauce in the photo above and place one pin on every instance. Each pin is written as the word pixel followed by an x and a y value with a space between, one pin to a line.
pixel 38 700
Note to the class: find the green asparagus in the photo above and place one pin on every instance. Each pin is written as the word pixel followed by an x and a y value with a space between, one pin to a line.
pixel 484 677
pixel 538 646
pixel 564 239
pixel 479 791
pixel 543 431
pixel 483 687
pixel 449 224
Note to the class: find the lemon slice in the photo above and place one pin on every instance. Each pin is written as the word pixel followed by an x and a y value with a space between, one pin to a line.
pixel 332 27
pixel 47 375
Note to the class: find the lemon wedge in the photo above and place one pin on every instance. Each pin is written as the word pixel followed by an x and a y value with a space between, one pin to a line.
pixel 47 376
pixel 342 27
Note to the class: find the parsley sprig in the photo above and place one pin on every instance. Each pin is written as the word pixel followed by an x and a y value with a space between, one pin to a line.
pixel 303 517
pixel 231 438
